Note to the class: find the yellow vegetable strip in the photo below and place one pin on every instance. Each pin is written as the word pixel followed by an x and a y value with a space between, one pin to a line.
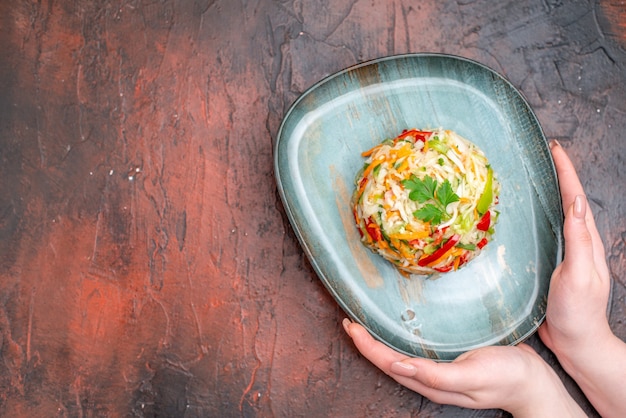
pixel 410 235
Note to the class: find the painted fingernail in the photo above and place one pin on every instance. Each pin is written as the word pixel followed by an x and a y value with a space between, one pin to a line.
pixel 554 143
pixel 346 325
pixel 579 206
pixel 403 369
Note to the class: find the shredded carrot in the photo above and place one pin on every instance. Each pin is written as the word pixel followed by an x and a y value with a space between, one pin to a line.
pixel 404 165
pixel 405 251
pixel 396 154
pixel 410 235
pixel 393 213
pixel 370 151
pixel 373 165
pixel 457 262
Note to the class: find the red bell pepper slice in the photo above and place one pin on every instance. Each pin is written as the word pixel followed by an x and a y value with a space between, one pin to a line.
pixel 373 230
pixel 419 135
pixel 441 251
pixel 485 222
pixel 482 243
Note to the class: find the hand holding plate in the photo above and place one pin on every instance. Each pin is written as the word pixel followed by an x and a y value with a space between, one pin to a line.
pixel 515 379
pixel 576 326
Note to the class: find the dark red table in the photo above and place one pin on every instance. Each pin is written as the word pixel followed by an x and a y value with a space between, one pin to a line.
pixel 147 267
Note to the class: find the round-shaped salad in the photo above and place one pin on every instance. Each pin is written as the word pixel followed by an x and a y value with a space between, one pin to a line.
pixel 426 200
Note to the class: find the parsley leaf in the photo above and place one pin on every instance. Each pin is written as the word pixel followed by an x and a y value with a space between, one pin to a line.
pixel 429 213
pixel 437 197
pixel 420 190
pixel 446 195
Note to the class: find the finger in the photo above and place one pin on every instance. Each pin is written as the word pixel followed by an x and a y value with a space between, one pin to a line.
pixel 467 373
pixel 449 377
pixel 438 376
pixel 571 187
pixel 457 383
pixel 569 184
pixel 578 261
pixel 444 376
pixel 434 381
pixel 401 367
pixel 378 353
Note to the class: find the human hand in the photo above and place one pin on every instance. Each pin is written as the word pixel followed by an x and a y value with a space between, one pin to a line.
pixel 576 328
pixel 515 379
pixel 580 285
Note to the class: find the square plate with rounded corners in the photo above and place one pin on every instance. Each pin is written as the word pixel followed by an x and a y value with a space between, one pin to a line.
pixel 499 298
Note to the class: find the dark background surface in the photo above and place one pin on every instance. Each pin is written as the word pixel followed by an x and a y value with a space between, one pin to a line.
pixel 147 267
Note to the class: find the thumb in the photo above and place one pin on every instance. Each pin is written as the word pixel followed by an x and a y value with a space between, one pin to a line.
pixel 578 240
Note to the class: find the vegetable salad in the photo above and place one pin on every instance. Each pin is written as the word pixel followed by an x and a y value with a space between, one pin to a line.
pixel 426 200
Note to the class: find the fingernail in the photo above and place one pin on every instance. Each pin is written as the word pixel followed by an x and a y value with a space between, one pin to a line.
pixel 403 369
pixel 346 325
pixel 579 206
pixel 554 143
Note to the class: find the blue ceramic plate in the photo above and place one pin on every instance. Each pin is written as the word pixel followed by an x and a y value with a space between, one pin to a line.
pixel 499 298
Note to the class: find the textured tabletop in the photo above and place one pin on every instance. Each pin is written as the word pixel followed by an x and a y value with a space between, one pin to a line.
pixel 147 266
